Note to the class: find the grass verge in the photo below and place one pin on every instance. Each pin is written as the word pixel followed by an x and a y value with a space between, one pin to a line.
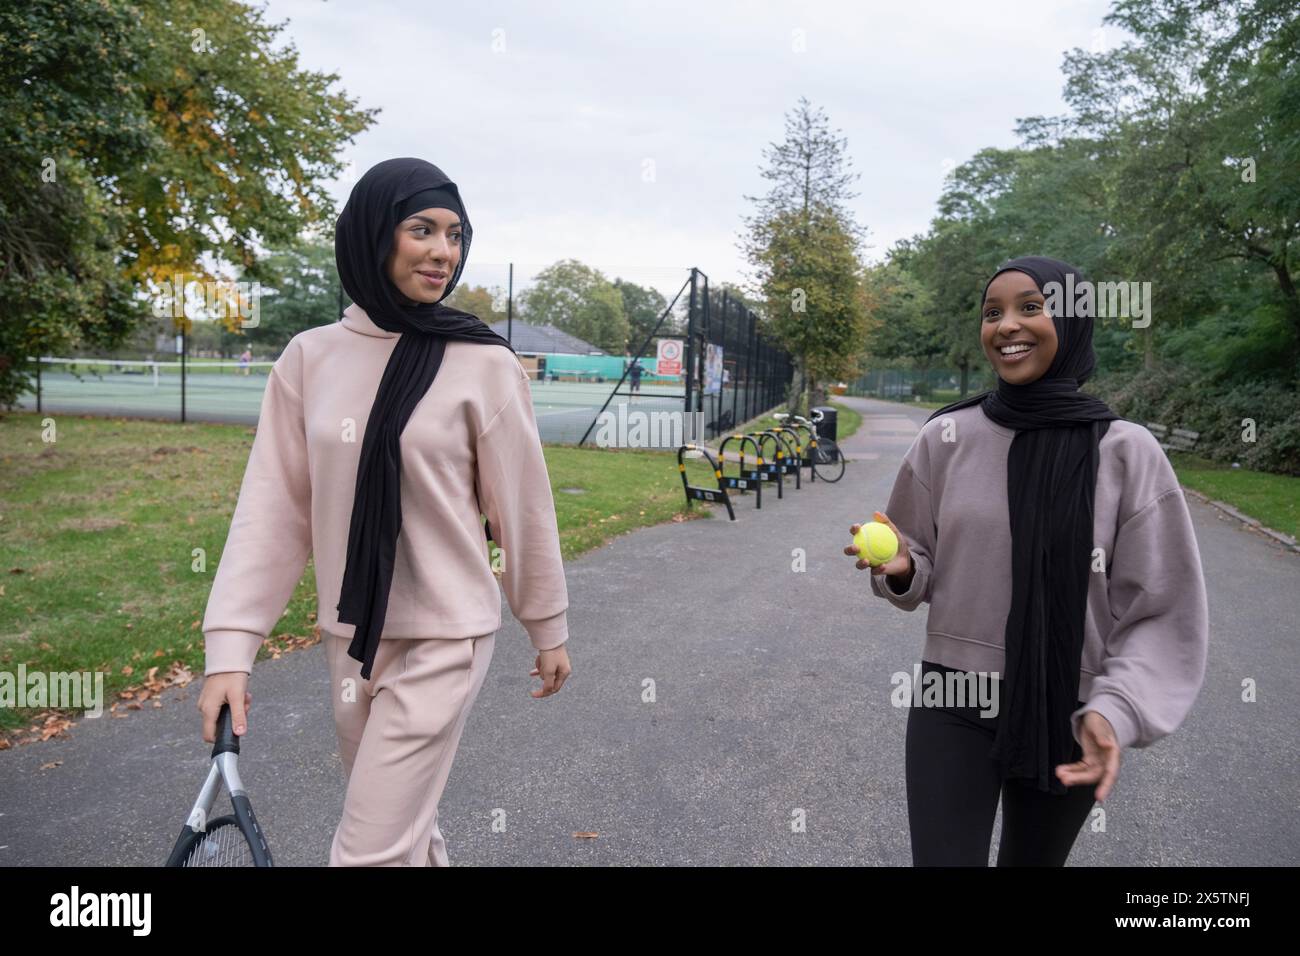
pixel 100 527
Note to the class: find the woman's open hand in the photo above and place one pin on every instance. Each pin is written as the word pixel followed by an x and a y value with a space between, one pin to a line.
pixel 899 566
pixel 1101 756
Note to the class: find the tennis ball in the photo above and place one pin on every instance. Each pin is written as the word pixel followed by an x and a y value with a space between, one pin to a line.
pixel 876 543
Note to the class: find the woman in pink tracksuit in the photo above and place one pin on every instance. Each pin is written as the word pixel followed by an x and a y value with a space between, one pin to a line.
pixel 382 441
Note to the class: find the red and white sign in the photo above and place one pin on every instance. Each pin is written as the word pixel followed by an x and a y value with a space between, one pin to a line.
pixel 669 360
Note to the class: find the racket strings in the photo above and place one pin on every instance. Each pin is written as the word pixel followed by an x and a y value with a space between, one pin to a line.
pixel 223 845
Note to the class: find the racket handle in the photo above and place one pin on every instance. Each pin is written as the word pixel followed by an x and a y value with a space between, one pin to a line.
pixel 226 740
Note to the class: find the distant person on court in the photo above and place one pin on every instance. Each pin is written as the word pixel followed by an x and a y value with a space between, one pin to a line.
pixel 634 376
pixel 380 439
pixel 245 359
pixel 1051 539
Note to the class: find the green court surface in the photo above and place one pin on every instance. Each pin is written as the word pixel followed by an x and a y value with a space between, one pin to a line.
pixel 225 392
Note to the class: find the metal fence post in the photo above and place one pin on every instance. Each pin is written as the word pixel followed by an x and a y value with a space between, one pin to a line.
pixel 690 341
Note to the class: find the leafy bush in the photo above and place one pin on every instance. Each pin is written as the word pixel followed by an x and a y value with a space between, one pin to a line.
pixel 1178 397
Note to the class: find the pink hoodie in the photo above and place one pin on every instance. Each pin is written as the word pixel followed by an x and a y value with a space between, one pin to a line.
pixel 471 448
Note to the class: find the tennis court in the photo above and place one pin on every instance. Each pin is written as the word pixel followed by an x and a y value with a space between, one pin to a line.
pixel 231 392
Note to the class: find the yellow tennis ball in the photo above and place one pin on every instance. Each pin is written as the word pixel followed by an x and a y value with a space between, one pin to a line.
pixel 876 543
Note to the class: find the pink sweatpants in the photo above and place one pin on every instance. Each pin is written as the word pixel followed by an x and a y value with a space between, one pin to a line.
pixel 398 734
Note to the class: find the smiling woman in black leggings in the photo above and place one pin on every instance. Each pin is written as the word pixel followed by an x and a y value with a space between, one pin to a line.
pixel 953 789
pixel 1053 543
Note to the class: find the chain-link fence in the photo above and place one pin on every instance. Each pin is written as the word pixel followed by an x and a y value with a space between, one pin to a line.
pixel 740 374
pixel 577 332
pixel 908 384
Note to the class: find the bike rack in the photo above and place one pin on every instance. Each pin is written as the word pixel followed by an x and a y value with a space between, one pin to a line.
pixel 745 480
pixel 805 449
pixel 694 493
pixel 773 469
pixel 794 459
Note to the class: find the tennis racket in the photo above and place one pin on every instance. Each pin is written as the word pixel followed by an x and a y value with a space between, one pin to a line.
pixel 231 840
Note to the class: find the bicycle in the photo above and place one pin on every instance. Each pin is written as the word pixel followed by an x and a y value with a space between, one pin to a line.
pixel 825 456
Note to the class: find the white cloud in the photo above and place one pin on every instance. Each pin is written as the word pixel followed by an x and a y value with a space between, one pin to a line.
pixel 548 138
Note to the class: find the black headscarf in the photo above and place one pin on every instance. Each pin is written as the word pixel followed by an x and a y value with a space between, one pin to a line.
pixel 363 238
pixel 1051 485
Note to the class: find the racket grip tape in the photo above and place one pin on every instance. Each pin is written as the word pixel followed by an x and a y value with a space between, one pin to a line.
pixel 226 741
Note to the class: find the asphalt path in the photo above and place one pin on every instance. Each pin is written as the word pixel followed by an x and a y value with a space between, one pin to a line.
pixel 724 709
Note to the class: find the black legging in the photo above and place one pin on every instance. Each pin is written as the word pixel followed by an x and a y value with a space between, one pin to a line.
pixel 952 795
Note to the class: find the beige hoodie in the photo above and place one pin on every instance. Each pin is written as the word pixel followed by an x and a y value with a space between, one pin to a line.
pixel 471 448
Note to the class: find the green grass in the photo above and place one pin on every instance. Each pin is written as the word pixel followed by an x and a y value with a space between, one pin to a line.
pixel 1273 499
pixel 98 530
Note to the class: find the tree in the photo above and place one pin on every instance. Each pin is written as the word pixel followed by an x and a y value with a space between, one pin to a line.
pixel 817 304
pixel 902 322
pixel 1204 106
pixel 64 68
pixel 486 303
pixel 643 306
pixel 138 142
pixel 802 242
pixel 810 167
pixel 579 300
pixel 305 294
pixel 250 140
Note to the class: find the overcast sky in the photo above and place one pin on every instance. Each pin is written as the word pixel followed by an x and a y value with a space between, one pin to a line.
pixel 626 135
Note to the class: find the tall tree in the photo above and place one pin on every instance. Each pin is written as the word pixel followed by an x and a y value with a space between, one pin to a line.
pixel 816 299
pixel 802 242
pixel 810 167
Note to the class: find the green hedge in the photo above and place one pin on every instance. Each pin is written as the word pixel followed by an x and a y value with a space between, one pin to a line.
pixel 1178 397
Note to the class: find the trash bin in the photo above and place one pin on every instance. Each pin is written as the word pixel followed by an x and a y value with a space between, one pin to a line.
pixel 824 417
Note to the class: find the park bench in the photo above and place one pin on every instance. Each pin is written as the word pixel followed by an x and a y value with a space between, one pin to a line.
pixel 1180 439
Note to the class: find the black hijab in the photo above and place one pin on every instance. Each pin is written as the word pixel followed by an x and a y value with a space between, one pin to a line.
pixel 1051 484
pixel 363 238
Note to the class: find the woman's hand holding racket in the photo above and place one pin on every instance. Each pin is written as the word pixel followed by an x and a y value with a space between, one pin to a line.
pixel 218 689
pixel 235 839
